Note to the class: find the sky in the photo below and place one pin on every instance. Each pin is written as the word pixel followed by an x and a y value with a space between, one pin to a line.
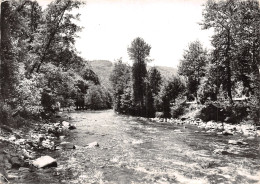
pixel 168 26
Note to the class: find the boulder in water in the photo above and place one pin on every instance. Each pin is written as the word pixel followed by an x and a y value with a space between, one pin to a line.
pixel 220 151
pixel 227 133
pixel 15 162
pixel 12 138
pixel 72 127
pixel 45 161
pixel 93 144
pixel 237 142
pixel 65 124
pixel 66 145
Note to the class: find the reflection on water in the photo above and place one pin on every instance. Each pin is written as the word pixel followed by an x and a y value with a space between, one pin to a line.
pixel 140 151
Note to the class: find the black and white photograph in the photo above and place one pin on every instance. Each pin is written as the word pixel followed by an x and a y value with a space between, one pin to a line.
pixel 130 92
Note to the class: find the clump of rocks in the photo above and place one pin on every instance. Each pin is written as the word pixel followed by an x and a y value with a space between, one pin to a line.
pixel 22 150
pixel 220 128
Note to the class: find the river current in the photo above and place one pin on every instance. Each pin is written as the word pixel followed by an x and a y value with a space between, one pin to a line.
pixel 137 150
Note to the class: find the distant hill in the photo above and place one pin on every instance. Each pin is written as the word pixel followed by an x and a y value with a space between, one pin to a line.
pixel 103 69
pixel 166 71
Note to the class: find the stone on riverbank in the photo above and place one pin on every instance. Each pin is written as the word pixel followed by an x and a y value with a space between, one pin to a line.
pixel 45 161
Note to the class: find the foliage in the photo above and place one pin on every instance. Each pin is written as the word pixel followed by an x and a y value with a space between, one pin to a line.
pixel 170 90
pixel 40 67
pixel 192 66
pixel 138 53
pixel 97 98
pixel 120 79
pixel 178 109
pixel 236 42
pixel 155 80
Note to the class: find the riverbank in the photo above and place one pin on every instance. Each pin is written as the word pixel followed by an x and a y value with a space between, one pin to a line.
pixel 220 128
pixel 20 148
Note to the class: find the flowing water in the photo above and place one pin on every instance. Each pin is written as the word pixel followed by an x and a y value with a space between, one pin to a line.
pixel 136 150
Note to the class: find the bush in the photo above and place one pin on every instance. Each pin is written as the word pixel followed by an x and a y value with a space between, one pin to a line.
pixel 223 111
pixel 211 112
pixel 47 101
pixel 5 113
pixel 11 117
pixel 254 110
pixel 236 113
pixel 178 109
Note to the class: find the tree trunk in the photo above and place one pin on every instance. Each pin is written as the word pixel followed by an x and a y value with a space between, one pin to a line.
pixel 6 63
pixel 228 67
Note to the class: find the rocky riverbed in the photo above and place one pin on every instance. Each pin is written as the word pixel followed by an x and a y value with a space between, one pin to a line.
pixel 219 128
pixel 24 149
pixel 110 148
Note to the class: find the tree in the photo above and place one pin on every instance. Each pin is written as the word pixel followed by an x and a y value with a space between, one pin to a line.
pixel 192 66
pixel 221 16
pixel 155 80
pixel 120 79
pixel 9 64
pixel 247 45
pixel 170 90
pixel 90 75
pixel 209 86
pixel 97 98
pixel 59 27
pixel 138 53
pixel 149 100
pixel 126 101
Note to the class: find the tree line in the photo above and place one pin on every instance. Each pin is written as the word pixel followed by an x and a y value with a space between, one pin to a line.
pixel 217 76
pixel 139 92
pixel 40 65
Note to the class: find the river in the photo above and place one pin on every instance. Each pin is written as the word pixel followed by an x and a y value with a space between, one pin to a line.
pixel 136 150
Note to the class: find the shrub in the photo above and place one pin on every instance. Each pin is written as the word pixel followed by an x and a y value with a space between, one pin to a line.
pixel 47 101
pixel 178 109
pixel 223 111
pixel 5 113
pixel 211 112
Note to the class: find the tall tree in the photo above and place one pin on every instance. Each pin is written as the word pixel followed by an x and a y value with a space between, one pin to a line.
pixel 247 45
pixel 58 28
pixel 138 52
pixel 192 66
pixel 220 15
pixel 9 64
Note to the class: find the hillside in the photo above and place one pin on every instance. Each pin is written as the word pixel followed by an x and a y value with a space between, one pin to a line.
pixel 103 69
pixel 166 71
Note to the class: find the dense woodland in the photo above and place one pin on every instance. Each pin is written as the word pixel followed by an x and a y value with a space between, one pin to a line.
pixel 224 82
pixel 42 71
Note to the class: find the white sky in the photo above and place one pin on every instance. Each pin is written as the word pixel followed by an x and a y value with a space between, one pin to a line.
pixel 167 25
